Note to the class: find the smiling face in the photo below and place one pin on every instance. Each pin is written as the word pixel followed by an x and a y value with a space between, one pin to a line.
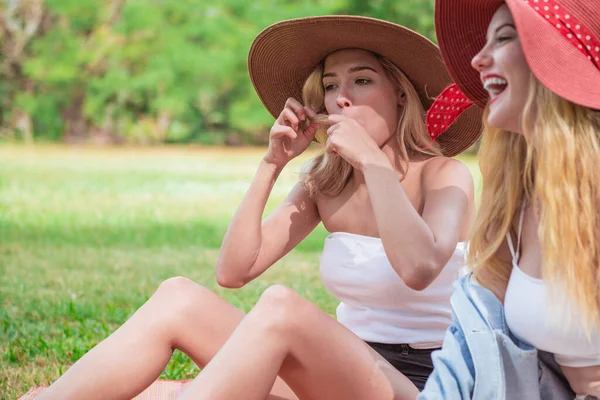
pixel 504 72
pixel 356 85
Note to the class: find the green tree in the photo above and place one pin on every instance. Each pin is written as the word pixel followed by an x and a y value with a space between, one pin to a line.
pixel 150 71
pixel 414 14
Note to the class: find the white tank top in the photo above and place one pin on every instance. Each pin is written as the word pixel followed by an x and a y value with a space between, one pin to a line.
pixel 375 303
pixel 528 318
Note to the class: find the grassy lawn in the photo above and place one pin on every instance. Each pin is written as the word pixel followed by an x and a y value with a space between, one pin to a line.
pixel 87 235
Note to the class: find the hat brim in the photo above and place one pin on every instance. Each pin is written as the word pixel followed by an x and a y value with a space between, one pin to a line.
pixel 461 28
pixel 555 61
pixel 284 54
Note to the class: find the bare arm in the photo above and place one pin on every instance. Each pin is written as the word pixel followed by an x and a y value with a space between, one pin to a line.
pixel 418 247
pixel 250 245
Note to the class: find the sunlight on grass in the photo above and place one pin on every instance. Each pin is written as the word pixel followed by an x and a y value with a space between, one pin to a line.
pixel 86 236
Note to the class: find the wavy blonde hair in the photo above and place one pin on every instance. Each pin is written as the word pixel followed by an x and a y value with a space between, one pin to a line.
pixel 328 174
pixel 554 164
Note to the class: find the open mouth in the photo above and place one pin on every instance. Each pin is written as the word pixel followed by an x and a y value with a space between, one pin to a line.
pixel 495 86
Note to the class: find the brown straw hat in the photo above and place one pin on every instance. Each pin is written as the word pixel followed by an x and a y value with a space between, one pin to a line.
pixel 284 54
pixel 560 40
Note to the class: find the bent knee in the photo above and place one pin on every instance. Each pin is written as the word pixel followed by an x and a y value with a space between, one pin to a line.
pixel 280 296
pixel 178 284
pixel 181 293
pixel 278 307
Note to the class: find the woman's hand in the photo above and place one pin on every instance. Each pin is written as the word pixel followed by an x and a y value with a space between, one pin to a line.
pixel 349 139
pixel 287 139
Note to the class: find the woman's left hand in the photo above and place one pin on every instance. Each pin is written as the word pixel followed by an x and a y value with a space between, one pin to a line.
pixel 349 139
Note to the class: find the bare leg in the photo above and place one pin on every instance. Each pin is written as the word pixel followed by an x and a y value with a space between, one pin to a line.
pixel 315 355
pixel 180 315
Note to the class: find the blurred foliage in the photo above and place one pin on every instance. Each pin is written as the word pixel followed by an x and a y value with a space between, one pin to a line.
pixel 149 71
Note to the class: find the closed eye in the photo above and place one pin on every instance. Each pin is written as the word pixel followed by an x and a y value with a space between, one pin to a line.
pixel 501 39
pixel 505 32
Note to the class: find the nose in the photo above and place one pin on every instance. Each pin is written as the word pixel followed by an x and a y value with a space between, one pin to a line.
pixel 482 60
pixel 343 99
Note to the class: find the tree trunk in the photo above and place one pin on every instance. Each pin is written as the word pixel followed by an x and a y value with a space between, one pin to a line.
pixel 76 123
pixel 22 125
pixel 162 126
pixel 19 23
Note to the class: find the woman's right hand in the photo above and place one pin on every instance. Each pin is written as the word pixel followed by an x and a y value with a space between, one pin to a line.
pixel 287 139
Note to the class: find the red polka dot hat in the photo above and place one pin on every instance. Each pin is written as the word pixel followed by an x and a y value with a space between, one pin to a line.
pixel 560 40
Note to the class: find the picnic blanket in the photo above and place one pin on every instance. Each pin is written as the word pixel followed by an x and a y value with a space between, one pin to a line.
pixel 159 390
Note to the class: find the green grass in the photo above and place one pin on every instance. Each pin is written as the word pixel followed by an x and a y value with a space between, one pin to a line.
pixel 87 235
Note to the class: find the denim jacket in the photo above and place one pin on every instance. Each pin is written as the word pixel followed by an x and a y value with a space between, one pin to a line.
pixel 480 358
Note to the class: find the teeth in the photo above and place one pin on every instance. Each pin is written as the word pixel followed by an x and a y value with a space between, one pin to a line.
pixel 487 85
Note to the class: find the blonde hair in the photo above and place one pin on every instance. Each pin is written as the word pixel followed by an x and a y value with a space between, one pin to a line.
pixel 328 174
pixel 554 164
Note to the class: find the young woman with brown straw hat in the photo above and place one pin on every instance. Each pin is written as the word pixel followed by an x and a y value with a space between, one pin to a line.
pixel 526 322
pixel 397 207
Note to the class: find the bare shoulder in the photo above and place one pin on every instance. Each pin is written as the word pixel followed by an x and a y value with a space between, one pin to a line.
pixel 300 195
pixel 444 171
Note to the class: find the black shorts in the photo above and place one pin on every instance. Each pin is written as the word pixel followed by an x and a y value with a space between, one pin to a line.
pixel 415 364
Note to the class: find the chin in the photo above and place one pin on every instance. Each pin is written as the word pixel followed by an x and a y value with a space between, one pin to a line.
pixel 502 121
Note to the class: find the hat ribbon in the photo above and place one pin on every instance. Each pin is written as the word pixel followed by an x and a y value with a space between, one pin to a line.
pixel 574 31
pixel 445 110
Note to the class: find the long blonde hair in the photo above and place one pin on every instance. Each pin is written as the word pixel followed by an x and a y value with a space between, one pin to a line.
pixel 328 174
pixel 554 164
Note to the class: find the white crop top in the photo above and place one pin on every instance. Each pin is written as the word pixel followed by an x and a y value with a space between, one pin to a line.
pixel 375 303
pixel 528 318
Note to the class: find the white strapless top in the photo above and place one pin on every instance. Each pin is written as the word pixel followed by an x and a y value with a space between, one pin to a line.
pixel 374 301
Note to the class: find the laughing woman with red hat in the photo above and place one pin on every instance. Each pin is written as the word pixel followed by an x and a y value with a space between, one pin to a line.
pixel 397 206
pixel 532 302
